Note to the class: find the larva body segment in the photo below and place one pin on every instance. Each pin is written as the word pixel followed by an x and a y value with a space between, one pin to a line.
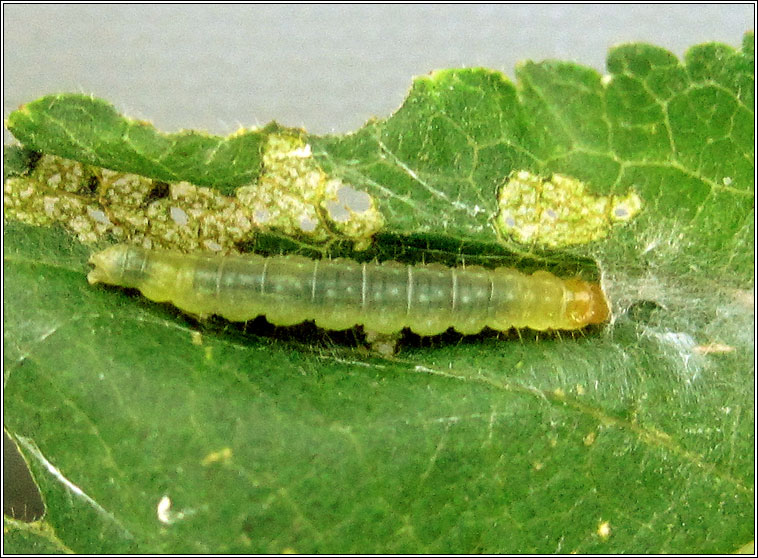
pixel 338 294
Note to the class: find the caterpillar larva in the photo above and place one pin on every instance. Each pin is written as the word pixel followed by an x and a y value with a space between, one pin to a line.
pixel 338 294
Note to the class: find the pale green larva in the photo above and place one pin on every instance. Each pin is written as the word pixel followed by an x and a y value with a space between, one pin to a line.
pixel 338 294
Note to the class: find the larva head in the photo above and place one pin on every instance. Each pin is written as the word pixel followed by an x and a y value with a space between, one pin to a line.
pixel 121 265
pixel 586 304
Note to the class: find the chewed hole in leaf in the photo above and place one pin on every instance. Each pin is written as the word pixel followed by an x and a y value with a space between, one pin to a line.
pixel 293 196
pixel 558 211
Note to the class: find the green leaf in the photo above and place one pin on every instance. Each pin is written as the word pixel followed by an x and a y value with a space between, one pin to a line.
pixel 30 538
pixel 91 131
pixel 18 160
pixel 149 432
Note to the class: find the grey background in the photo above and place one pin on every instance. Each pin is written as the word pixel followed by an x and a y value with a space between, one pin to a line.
pixel 326 68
